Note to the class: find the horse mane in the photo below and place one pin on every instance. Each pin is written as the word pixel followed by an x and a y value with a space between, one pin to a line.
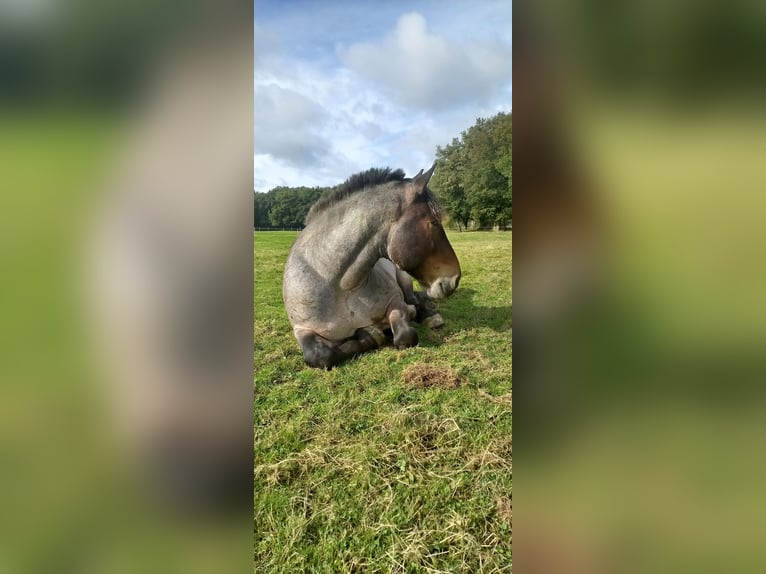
pixel 357 182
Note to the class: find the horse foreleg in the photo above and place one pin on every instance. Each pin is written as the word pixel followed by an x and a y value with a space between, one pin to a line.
pixel 322 353
pixel 405 284
pixel 425 309
pixel 404 335
pixel 427 313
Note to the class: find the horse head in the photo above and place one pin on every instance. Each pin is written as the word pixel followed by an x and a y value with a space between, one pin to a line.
pixel 417 242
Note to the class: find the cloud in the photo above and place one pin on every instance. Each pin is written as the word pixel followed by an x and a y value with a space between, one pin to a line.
pixel 265 43
pixel 426 71
pixel 287 126
pixel 317 126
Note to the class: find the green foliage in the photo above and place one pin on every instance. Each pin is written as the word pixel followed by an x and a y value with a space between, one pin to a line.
pixel 447 182
pixel 359 470
pixel 474 178
pixel 262 203
pixel 284 206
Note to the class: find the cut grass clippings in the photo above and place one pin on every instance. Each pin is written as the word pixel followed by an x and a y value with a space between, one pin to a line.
pixel 422 375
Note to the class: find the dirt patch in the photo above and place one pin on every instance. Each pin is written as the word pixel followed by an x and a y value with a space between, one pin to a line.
pixel 421 376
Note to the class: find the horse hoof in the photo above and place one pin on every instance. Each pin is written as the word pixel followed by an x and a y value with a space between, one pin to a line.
pixel 434 321
pixel 375 333
pixel 405 339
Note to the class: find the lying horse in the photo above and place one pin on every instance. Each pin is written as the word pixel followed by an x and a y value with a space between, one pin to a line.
pixel 348 275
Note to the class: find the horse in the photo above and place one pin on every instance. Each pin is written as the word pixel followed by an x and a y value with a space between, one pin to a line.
pixel 348 277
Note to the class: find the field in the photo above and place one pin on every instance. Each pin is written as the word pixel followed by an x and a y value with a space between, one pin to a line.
pixel 398 461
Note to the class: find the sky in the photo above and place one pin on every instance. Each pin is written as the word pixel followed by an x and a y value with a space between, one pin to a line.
pixel 343 85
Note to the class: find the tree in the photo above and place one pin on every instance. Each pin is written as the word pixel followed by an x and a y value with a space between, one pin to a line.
pixel 285 211
pixel 261 207
pixel 503 136
pixel 474 181
pixel 448 180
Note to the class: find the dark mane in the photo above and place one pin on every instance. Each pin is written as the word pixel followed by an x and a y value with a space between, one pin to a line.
pixel 357 182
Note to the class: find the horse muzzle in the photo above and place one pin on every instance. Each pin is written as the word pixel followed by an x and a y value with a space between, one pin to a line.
pixel 443 287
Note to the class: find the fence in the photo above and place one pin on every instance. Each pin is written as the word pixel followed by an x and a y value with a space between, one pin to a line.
pixel 470 229
pixel 451 227
pixel 298 229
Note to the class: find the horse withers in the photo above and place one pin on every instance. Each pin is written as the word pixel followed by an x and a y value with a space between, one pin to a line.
pixel 348 278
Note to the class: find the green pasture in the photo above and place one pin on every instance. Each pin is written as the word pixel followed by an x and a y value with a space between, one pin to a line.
pixel 398 461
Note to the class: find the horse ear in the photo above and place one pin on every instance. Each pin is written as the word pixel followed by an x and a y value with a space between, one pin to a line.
pixel 420 181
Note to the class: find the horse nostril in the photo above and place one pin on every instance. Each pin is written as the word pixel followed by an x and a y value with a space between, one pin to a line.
pixel 455 282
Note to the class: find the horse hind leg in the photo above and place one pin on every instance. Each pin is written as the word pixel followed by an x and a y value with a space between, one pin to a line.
pixel 320 353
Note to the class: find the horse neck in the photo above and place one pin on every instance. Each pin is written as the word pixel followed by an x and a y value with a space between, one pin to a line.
pixel 350 239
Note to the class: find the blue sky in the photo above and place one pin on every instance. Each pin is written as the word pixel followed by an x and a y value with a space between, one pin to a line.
pixel 341 86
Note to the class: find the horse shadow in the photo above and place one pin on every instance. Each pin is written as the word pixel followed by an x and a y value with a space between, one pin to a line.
pixel 462 313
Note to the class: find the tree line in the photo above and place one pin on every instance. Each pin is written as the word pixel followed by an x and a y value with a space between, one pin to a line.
pixel 285 206
pixel 473 182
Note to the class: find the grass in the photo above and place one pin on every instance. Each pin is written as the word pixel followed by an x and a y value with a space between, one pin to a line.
pixel 398 461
